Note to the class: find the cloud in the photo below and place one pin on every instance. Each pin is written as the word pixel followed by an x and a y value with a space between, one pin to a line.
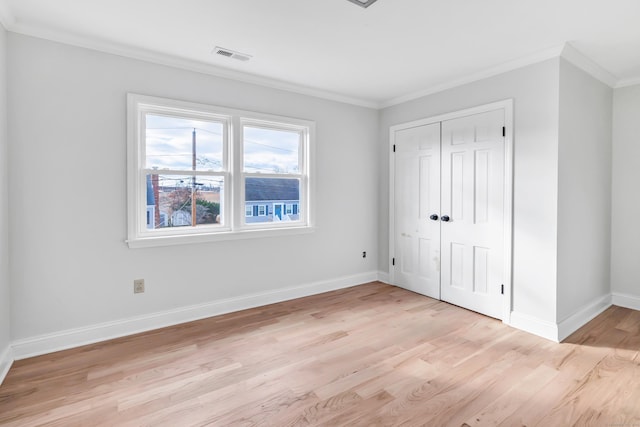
pixel 169 143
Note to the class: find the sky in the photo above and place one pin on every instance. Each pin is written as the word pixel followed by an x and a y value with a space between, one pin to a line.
pixel 169 146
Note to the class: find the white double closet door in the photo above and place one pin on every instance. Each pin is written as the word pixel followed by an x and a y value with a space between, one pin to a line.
pixel 448 210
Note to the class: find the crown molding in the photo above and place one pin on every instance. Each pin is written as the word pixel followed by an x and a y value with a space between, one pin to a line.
pixel 182 63
pixel 628 82
pixel 489 72
pixel 587 65
pixel 566 51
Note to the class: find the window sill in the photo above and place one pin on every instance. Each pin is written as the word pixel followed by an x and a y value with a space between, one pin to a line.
pixel 157 241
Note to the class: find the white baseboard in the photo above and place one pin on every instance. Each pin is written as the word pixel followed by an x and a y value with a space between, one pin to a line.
pixel 626 300
pixel 6 360
pixel 560 331
pixel 583 316
pixel 533 325
pixel 384 277
pixel 63 340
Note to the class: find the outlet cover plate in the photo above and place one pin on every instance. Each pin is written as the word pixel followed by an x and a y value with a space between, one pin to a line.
pixel 138 286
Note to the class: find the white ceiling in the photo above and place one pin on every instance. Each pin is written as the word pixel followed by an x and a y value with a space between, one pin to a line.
pixel 376 56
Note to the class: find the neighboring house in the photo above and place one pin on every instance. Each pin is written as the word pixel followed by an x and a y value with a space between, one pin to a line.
pixel 164 219
pixel 162 201
pixel 181 218
pixel 272 200
pixel 151 205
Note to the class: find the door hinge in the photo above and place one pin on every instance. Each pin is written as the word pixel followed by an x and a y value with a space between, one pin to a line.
pixel 502 289
pixel 394 148
pixel 393 261
pixel 504 131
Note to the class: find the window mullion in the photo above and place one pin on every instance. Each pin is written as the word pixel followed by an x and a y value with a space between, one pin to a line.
pixel 273 175
pixel 182 172
pixel 236 173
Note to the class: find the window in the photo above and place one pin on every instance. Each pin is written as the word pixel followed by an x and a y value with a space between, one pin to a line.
pixel 193 168
pixel 273 169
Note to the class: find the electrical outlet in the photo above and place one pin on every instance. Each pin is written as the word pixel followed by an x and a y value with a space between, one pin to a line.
pixel 138 286
pixel 364 254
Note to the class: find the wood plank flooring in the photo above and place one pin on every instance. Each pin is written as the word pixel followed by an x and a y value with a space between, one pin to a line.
pixel 368 355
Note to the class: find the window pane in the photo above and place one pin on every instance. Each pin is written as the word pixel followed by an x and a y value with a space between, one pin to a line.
pixel 170 197
pixel 169 143
pixel 270 150
pixel 274 196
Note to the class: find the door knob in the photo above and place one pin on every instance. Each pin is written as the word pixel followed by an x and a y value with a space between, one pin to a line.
pixel 445 218
pixel 434 217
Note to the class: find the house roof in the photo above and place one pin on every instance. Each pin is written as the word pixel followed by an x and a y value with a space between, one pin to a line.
pixel 261 189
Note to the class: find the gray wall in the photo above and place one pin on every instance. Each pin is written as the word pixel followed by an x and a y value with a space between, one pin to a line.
pixel 535 93
pixel 5 308
pixel 584 190
pixel 70 265
pixel 625 239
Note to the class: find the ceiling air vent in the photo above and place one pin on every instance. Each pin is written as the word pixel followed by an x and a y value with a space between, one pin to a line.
pixel 363 3
pixel 231 54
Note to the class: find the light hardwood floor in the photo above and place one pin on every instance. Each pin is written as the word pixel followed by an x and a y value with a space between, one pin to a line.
pixel 368 355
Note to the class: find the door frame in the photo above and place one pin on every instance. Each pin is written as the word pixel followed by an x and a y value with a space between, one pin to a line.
pixel 507 106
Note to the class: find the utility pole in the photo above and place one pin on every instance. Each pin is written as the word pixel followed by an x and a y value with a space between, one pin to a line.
pixel 194 220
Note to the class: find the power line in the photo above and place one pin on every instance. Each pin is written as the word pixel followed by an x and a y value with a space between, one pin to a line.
pixel 220 134
pixel 188 128
pixel 215 161
pixel 270 146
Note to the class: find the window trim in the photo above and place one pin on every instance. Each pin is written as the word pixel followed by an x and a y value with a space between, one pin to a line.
pixel 305 158
pixel 233 206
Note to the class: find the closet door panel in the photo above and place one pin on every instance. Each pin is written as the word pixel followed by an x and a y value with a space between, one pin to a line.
pixel 417 198
pixel 473 199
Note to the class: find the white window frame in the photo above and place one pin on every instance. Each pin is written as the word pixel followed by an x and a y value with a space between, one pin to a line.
pixel 232 203
pixel 304 159
pixel 248 210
